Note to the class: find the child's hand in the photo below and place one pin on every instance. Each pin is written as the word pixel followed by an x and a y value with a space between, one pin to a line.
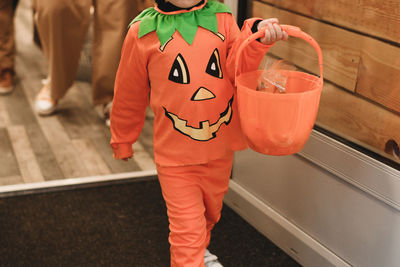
pixel 273 32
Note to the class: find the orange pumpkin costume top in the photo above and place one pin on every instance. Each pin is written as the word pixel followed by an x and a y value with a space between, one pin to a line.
pixel 182 63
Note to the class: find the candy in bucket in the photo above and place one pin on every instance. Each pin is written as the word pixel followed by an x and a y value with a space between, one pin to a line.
pixel 272 80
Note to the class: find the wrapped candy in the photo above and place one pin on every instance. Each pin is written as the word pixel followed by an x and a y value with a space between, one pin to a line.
pixel 273 79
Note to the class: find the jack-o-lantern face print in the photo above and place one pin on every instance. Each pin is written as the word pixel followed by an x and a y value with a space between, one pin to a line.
pixel 180 73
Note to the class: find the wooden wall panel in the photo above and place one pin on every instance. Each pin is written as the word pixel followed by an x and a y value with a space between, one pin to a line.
pixel 339 47
pixel 373 17
pixel 379 74
pixel 367 112
pixel 356 62
pixel 358 120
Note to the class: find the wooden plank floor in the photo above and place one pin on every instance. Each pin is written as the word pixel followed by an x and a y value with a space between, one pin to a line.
pixel 72 143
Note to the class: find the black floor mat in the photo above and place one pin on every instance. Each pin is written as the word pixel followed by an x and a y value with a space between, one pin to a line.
pixel 114 225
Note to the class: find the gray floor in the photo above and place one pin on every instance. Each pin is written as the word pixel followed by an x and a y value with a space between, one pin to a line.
pixel 74 142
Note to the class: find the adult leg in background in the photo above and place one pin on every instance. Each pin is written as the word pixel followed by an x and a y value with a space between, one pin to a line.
pixel 7 45
pixel 62 26
pixel 111 20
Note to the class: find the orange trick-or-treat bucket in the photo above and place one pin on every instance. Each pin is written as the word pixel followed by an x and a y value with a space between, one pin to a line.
pixel 278 123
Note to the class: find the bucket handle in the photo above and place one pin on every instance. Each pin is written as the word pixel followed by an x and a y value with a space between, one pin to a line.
pixel 291 31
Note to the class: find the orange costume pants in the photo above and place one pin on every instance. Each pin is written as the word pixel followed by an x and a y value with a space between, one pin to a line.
pixel 193 195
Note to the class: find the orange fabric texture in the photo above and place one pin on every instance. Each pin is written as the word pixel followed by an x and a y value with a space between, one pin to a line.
pixel 191 93
pixel 193 195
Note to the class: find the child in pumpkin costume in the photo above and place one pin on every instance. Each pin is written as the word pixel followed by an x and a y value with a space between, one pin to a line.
pixel 182 56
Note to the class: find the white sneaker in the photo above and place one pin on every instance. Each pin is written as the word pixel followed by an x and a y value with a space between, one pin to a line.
pixel 44 104
pixel 4 90
pixel 210 260
pixel 6 83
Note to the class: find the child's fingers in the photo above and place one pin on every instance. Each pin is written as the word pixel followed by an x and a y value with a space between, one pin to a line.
pixel 267 38
pixel 265 22
pixel 271 20
pixel 272 32
pixel 285 36
pixel 278 32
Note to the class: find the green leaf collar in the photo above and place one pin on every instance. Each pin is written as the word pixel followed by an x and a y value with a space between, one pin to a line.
pixel 185 23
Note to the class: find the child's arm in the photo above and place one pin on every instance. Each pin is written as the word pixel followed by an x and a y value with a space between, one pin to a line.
pixel 255 51
pixel 131 97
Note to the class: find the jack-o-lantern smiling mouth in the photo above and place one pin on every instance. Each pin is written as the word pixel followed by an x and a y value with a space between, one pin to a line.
pixel 206 131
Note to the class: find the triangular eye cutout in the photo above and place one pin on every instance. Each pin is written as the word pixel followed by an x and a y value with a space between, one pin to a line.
pixel 214 65
pixel 179 72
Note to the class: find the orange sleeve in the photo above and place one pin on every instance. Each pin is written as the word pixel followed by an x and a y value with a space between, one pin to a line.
pixel 251 55
pixel 131 96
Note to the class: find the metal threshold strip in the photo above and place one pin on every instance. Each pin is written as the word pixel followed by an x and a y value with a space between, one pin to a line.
pixel 73 183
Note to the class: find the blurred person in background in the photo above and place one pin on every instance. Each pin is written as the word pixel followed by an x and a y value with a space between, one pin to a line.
pixel 62 26
pixel 7 45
